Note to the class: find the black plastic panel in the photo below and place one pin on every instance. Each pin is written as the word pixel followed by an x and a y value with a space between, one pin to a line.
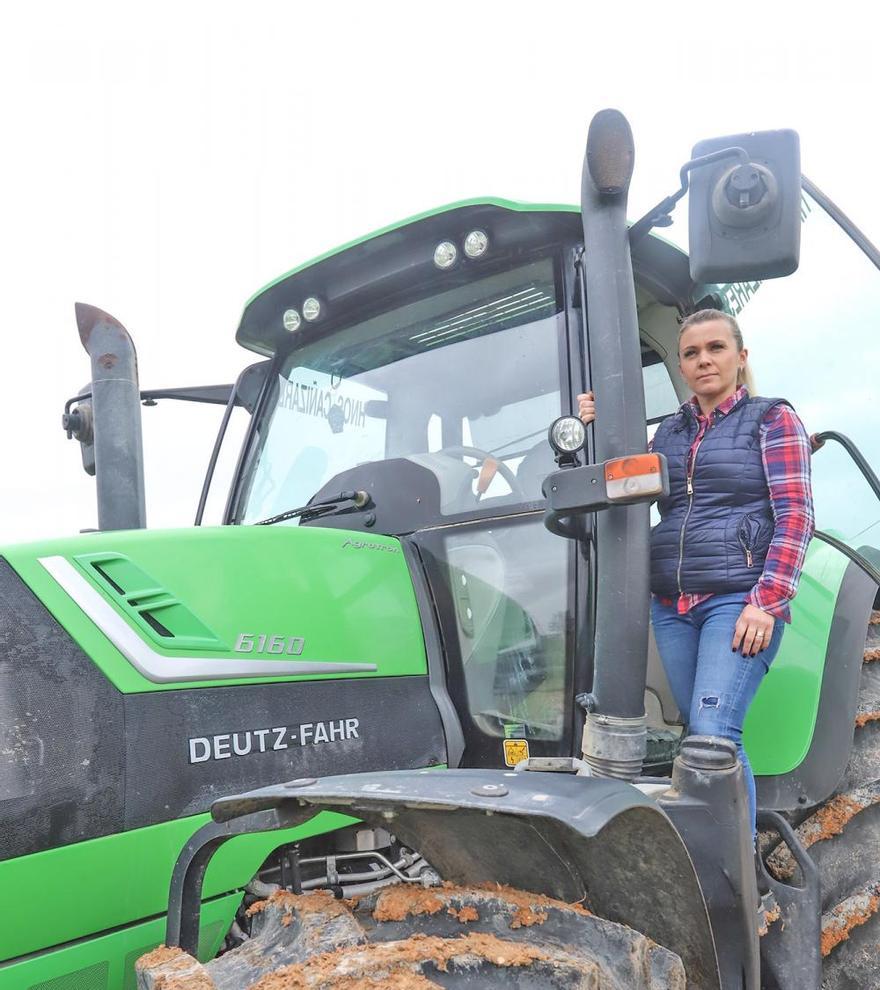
pixel 181 745
pixel 61 730
pixel 79 760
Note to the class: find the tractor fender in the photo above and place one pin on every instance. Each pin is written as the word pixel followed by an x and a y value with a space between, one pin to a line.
pixel 602 843
pixel 819 773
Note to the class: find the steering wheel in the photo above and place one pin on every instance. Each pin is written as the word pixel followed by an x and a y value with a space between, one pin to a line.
pixel 483 456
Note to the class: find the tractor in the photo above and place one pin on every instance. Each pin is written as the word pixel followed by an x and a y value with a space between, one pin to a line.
pixel 400 720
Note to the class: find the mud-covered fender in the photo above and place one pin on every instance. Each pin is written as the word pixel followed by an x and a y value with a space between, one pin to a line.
pixel 599 842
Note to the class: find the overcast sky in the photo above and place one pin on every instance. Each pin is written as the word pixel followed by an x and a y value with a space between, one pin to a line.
pixel 164 162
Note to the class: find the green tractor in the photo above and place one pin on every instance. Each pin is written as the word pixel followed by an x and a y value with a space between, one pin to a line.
pixel 399 722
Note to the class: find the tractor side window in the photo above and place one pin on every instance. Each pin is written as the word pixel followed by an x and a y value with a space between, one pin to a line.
pixel 660 397
pixel 813 339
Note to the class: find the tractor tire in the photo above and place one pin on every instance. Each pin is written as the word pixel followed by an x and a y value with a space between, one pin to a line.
pixel 843 838
pixel 408 937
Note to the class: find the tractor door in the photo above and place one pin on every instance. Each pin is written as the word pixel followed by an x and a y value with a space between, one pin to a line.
pixel 505 588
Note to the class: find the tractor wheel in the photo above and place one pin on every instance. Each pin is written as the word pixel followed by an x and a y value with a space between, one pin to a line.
pixel 843 836
pixel 409 937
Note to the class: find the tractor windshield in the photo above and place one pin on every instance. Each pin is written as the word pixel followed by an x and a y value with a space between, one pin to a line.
pixel 462 383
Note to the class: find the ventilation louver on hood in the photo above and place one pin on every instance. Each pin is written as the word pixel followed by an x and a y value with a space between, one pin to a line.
pixel 162 616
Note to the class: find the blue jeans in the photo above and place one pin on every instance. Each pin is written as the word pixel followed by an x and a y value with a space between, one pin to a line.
pixel 713 686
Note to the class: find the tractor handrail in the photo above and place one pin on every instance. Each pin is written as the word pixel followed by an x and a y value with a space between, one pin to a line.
pixel 848 551
pixel 817 440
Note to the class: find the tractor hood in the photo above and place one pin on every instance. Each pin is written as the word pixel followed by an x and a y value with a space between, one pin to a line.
pixel 145 674
pixel 231 604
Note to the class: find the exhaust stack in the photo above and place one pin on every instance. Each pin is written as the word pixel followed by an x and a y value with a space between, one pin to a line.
pixel 115 419
pixel 615 734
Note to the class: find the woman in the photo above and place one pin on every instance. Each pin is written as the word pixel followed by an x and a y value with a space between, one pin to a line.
pixel 727 553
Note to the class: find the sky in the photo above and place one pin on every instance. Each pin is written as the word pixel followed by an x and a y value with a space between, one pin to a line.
pixel 163 162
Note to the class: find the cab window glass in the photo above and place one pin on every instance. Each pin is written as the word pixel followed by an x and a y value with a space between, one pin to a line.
pixel 464 384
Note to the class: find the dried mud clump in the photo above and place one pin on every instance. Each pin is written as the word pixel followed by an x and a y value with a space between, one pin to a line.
pixel 774 914
pixel 397 965
pixel 317 902
pixel 163 955
pixel 173 969
pixel 838 923
pixel 401 902
pixel 531 909
pixel 465 914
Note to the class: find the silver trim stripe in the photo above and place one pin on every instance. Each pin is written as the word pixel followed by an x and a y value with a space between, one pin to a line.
pixel 166 670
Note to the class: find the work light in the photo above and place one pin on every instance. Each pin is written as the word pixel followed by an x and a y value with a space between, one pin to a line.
pixel 311 308
pixel 567 435
pixel 445 254
pixel 476 243
pixel 291 320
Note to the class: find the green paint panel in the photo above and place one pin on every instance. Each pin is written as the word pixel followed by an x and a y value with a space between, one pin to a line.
pixel 337 592
pixel 779 726
pixel 143 599
pixel 90 887
pixel 107 962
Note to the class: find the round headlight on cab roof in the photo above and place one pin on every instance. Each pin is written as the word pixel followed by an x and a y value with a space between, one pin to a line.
pixel 445 254
pixel 567 435
pixel 311 308
pixel 476 243
pixel 291 320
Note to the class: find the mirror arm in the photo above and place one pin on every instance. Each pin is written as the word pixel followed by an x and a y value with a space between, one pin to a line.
pixel 660 216
pixel 215 453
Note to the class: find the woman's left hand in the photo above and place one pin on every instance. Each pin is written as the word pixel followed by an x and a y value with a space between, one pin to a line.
pixel 753 630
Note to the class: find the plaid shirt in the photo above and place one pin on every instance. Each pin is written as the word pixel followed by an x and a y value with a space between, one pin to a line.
pixel 785 450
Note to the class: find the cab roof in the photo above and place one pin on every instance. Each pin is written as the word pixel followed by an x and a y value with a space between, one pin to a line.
pixel 399 259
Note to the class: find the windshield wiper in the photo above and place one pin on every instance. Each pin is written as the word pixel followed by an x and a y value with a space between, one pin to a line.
pixel 325 507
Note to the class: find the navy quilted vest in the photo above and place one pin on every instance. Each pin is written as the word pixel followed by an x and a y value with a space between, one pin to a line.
pixel 716 539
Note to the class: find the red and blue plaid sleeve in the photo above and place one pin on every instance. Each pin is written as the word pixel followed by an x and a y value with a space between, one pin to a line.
pixel 785 449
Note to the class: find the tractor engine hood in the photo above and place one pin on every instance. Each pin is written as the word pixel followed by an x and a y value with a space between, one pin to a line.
pixel 242 603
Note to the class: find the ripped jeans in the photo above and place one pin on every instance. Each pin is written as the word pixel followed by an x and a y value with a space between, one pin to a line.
pixel 713 686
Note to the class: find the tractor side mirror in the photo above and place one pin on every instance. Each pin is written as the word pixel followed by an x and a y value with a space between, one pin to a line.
pixel 744 218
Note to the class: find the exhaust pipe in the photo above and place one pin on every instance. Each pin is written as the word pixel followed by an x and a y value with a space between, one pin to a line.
pixel 615 734
pixel 115 420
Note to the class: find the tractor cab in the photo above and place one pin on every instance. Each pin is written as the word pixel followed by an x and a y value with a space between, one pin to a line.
pixel 430 386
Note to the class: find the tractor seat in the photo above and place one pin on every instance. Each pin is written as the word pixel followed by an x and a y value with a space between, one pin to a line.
pixel 534 468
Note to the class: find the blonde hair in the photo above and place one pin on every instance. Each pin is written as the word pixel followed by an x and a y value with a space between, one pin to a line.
pixel 744 375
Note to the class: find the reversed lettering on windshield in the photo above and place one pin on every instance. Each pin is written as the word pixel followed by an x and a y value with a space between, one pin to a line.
pixel 310 399
pixel 228 745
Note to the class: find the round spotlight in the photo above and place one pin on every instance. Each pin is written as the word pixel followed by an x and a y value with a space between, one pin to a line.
pixel 445 254
pixel 476 243
pixel 291 320
pixel 567 435
pixel 311 308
